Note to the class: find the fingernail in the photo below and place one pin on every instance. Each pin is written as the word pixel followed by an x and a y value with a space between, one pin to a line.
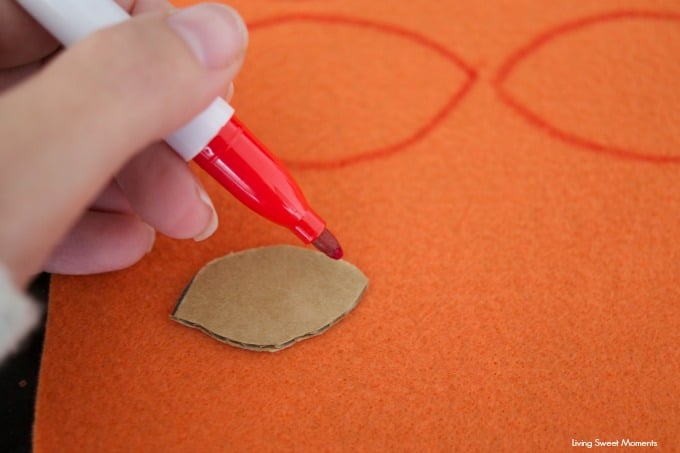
pixel 230 92
pixel 212 224
pixel 152 240
pixel 215 33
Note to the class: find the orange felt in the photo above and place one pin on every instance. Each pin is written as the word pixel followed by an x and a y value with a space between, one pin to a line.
pixel 507 174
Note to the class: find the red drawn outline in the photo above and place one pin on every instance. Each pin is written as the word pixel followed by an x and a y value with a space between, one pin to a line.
pixel 534 118
pixel 419 134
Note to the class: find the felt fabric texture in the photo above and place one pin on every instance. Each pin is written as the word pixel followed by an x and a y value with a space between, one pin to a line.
pixel 269 298
pixel 507 174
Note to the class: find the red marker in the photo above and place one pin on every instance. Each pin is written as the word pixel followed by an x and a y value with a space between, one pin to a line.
pixel 252 174
pixel 214 139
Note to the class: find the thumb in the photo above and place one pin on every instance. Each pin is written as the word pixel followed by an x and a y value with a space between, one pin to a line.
pixel 67 130
pixel 146 76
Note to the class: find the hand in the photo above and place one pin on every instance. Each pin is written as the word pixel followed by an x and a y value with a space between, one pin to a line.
pixel 82 127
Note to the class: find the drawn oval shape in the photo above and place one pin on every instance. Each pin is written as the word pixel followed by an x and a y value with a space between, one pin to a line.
pixel 605 83
pixel 324 91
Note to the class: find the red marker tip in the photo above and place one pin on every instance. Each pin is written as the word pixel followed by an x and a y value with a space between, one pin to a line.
pixel 327 243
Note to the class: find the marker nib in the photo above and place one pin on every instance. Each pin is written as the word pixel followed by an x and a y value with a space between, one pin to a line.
pixel 327 243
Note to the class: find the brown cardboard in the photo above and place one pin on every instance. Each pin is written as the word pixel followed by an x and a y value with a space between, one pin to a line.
pixel 269 298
